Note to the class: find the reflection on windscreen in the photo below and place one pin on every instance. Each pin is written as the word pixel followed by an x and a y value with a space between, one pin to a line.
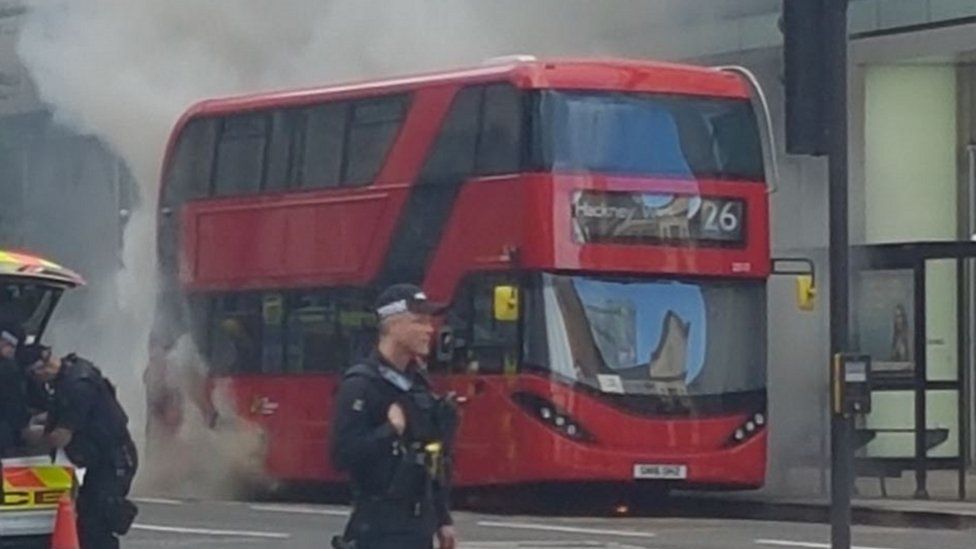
pixel 648 134
pixel 26 304
pixel 660 337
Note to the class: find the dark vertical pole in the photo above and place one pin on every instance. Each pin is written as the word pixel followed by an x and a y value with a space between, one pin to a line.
pixel 842 459
pixel 921 377
pixel 962 359
pixel 841 463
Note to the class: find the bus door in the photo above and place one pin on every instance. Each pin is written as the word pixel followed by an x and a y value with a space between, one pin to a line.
pixel 479 368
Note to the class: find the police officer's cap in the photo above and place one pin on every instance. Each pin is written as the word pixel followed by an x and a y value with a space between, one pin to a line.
pixel 12 334
pixel 27 355
pixel 402 298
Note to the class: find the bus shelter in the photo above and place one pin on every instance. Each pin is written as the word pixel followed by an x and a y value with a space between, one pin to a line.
pixel 913 307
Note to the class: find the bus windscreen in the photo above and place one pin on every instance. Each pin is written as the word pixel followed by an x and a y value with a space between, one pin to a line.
pixel 641 134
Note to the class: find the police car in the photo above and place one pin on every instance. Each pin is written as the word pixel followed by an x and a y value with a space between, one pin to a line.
pixel 30 288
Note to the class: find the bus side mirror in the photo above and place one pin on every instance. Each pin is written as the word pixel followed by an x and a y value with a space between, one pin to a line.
pixel 806 293
pixel 506 305
pixel 806 279
pixel 446 344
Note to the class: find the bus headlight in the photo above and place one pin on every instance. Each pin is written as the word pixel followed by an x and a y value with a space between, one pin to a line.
pixel 749 428
pixel 552 416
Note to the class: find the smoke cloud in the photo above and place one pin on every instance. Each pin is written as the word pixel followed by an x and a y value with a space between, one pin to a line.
pixel 124 70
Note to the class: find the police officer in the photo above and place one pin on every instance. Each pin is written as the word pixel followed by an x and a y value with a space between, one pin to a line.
pixel 14 413
pixel 392 434
pixel 87 421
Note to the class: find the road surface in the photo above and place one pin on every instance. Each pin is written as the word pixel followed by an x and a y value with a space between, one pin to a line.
pixel 206 525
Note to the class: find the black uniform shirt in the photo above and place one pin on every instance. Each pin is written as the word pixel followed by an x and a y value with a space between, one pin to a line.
pixel 365 444
pixel 14 413
pixel 85 404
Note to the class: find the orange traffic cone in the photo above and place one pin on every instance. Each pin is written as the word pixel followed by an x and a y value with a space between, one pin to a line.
pixel 65 534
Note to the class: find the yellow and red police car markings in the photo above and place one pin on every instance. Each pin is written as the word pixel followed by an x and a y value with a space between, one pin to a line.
pixel 21 477
pixel 54 476
pixel 34 487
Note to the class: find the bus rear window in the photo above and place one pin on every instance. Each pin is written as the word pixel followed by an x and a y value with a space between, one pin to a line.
pixel 648 134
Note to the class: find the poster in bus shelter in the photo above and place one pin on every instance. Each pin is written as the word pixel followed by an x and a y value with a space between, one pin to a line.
pixel 885 320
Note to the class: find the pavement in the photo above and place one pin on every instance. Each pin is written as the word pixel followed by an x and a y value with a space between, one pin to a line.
pixel 943 509
pixel 870 512
pixel 215 524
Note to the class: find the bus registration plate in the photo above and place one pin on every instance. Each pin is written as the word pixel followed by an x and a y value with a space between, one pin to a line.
pixel 659 471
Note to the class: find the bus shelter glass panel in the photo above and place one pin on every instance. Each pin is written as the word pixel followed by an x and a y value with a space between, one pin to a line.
pixel 942 423
pixel 892 420
pixel 941 321
pixel 886 321
pixel 942 358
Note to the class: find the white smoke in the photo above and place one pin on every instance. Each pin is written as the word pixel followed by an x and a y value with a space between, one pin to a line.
pixel 223 460
pixel 124 71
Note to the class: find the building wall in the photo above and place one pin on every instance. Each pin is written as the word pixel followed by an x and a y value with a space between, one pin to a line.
pixel 907 165
pixel 62 197
pixel 910 184
pixel 61 193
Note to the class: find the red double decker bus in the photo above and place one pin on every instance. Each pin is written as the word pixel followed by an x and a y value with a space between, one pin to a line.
pixel 600 229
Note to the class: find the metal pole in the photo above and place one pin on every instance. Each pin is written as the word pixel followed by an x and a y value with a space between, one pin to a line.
pixel 962 360
pixel 967 372
pixel 921 377
pixel 842 462
pixel 967 334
